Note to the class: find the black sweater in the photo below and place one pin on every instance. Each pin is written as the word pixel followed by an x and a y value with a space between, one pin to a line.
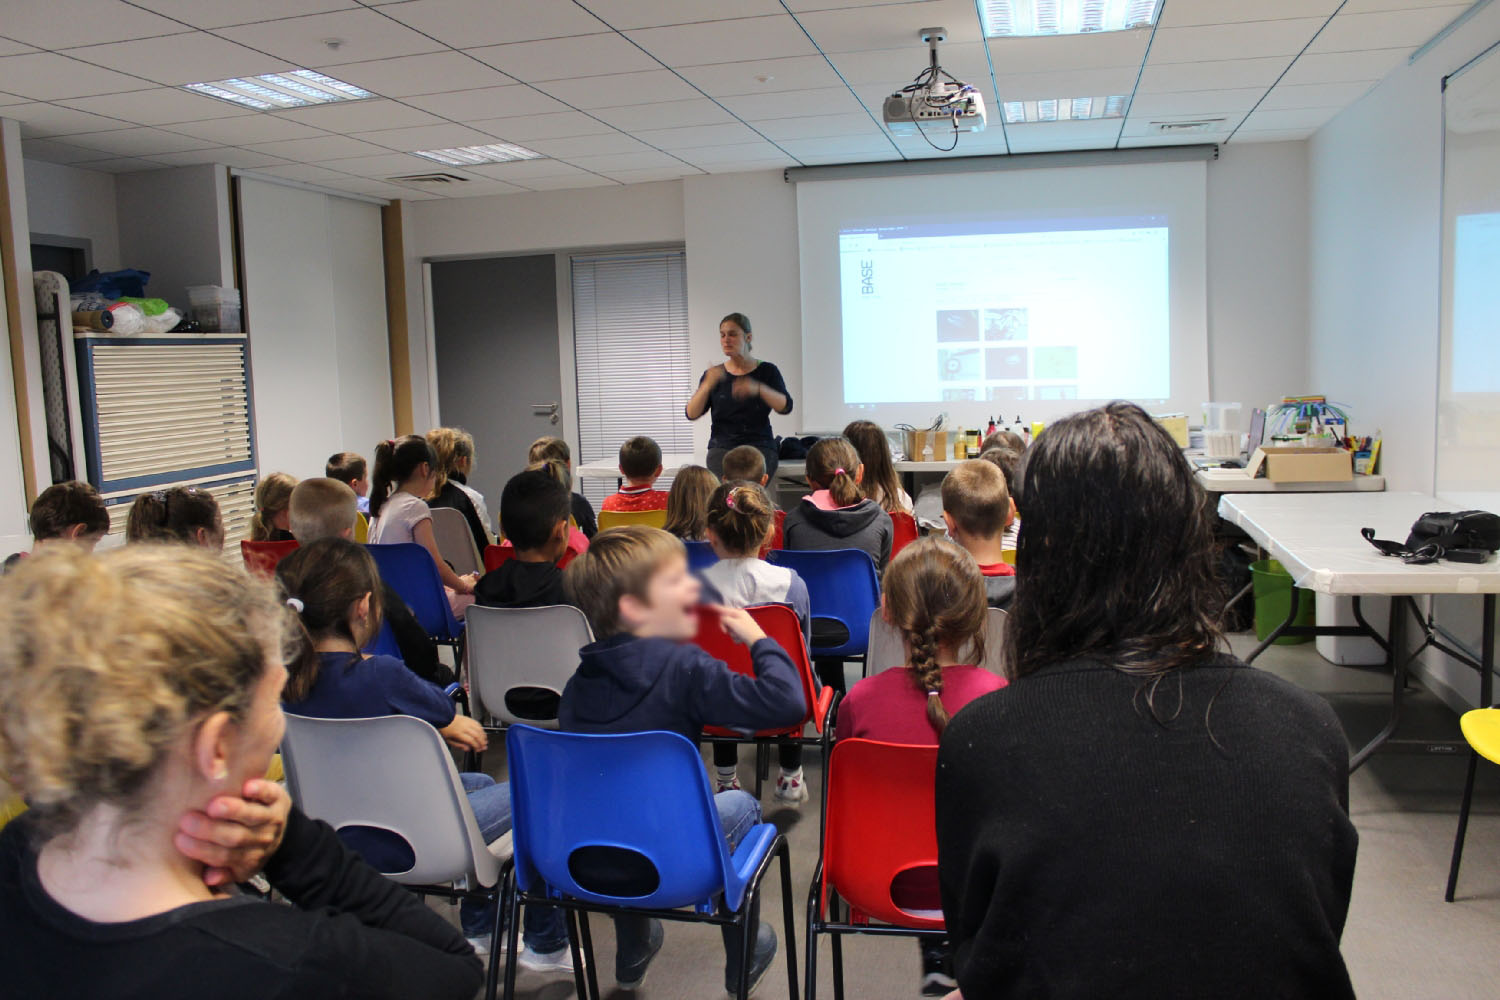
pixel 1087 850
pixel 351 933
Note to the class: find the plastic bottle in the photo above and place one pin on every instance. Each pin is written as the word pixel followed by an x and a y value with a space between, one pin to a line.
pixel 991 429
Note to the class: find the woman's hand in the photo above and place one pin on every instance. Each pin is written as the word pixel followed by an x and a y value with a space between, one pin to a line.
pixel 745 387
pixel 235 835
pixel 463 733
pixel 716 374
pixel 738 623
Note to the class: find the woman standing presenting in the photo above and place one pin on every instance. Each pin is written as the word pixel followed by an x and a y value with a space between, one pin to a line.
pixel 741 393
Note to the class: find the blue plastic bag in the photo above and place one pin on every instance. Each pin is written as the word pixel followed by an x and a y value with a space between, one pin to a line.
pixel 114 284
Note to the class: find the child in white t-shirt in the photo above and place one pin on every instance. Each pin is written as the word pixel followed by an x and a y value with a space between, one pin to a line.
pixel 405 472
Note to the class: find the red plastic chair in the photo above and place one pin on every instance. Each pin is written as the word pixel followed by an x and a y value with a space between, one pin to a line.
pixel 780 623
pixel 778 539
pixel 495 555
pixel 261 558
pixel 904 531
pixel 878 825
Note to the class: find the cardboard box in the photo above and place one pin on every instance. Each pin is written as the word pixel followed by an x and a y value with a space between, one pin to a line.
pixel 918 441
pixel 1301 465
pixel 1176 424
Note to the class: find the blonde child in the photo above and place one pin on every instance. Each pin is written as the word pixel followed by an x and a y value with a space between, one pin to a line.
pixel 454 449
pixel 405 471
pixel 640 466
pixel 273 495
pixel 687 501
pixel 977 511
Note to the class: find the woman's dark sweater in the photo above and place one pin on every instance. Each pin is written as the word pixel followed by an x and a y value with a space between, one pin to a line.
pixel 743 421
pixel 451 496
pixel 1086 849
pixel 349 933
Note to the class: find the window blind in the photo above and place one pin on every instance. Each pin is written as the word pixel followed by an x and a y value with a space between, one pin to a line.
pixel 630 350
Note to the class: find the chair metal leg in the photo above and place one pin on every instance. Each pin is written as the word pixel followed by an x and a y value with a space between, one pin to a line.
pixel 789 919
pixel 502 907
pixel 587 937
pixel 811 982
pixel 836 944
pixel 513 937
pixel 1463 826
pixel 747 947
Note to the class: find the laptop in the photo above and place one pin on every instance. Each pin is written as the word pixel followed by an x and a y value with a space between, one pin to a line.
pixel 1253 440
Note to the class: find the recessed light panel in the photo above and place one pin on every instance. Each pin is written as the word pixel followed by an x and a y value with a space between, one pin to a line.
pixel 467 156
pixel 1024 18
pixel 298 88
pixel 1064 109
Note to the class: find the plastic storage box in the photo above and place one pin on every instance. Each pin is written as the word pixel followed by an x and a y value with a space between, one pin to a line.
pixel 215 309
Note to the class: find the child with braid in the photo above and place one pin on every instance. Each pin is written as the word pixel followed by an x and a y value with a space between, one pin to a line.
pixel 934 596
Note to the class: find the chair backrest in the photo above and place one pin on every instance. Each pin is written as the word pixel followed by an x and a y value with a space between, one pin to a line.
pixel 634 797
pixel 887 650
pixel 615 518
pixel 390 773
pixel 455 541
pixel 262 558
pixel 361 527
pixel 903 531
pixel 384 643
pixel 778 535
pixel 1008 556
pixel 497 555
pixel 512 648
pixel 700 555
pixel 880 824
pixel 780 624
pixel 409 569
pixel 842 587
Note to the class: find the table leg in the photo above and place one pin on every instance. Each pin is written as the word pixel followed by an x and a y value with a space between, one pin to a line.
pixel 1396 656
pixel 1265 644
pixel 1486 696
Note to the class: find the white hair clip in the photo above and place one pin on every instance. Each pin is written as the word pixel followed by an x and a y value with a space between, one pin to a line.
pixel 294 604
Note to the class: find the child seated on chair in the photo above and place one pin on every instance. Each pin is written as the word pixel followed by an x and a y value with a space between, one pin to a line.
pixel 534 517
pixel 555 449
pixel 454 448
pixel 351 470
pixel 269 522
pixel 1008 459
pixel 333 586
pixel 740 521
pixel 745 464
pixel 977 509
pixel 642 674
pixel 640 465
pixel 837 514
pixel 934 596
pixel 405 472
pixel 578 541
pixel 183 514
pixel 69 512
pixel 325 508
pixel 687 502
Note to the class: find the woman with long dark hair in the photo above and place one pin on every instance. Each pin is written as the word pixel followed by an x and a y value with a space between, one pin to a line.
pixel 1138 814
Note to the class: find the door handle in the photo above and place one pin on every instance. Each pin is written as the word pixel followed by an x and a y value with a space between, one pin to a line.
pixel 544 409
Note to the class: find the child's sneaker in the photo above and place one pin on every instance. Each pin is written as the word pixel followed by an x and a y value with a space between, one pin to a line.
pixel 729 784
pixel 937 968
pixel 555 961
pixel 791 789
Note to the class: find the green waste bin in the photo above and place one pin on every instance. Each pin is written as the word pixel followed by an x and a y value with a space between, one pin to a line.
pixel 1273 599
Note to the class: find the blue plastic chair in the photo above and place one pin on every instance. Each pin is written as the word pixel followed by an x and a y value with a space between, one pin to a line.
pixel 700 555
pixel 646 795
pixel 409 569
pixel 384 643
pixel 842 587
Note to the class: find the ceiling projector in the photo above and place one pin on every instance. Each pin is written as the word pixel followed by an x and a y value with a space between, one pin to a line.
pixel 936 101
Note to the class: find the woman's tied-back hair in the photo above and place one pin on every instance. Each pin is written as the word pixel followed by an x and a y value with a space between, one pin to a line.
pixel 273 494
pixel 687 502
pixel 738 319
pixel 875 455
pixel 831 465
pixel 395 463
pixel 1117 558
pixel 451 445
pixel 326 578
pixel 546 449
pixel 174 515
pixel 934 596
pixel 742 517
pixel 88 713
pixel 554 467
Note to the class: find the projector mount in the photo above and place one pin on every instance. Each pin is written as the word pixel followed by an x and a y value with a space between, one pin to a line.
pixel 935 96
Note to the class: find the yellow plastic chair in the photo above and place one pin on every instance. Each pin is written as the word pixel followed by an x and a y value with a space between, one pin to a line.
pixel 361 528
pixel 10 807
pixel 1008 556
pixel 615 518
pixel 1481 727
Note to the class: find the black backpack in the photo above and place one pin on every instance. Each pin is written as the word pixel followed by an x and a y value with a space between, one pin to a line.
pixel 1467 536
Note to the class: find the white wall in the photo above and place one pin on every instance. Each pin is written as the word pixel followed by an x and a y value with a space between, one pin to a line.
pixel 175 224
pixel 67 201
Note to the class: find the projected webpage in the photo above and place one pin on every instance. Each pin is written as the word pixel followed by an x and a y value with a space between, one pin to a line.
pixel 1476 303
pixel 1048 310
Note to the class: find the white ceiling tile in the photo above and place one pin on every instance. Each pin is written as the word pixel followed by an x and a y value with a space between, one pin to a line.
pixel 1384 30
pixel 9 47
pixel 308 172
pixel 650 176
pixel 625 161
pixel 562 58
pixel 59 24
pixel 178 59
pixel 706 42
pixel 622 15
pixel 1314 95
pixel 488 102
pixel 1195 102
pixel 558 125
pixel 523 171
pixel 747 166
pixel 1222 74
pixel 246 129
pixel 1295 118
pixel 1040 137
pixel 617 91
pixel 430 73
pixel 1365 6
pixel 1341 67
pixel 328 147
pixel 1067 83
pixel 794 104
pixel 589 145
pixel 1272 135
pixel 842 146
pixel 377 189
pixel 228 156
pixel 482 188
pixel 364 33
pixel 39 120
pixel 158 106
pixel 58 152
pixel 762 76
pixel 892 26
pixel 890 68
pixel 665 114
pixel 404 140
pixel 1098 51
pixel 470 23
pixel 696 136
pixel 47 76
pixel 1134 141
pixel 738 153
pixel 7 100
pixel 125 165
pixel 384 165
pixel 816 126
pixel 1187 13
pixel 1142 125
pixel 585 180
pixel 218 13
pixel 359 116
pixel 1248 40
pixel 140 141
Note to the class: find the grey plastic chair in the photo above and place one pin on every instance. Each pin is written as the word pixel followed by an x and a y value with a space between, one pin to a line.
pixel 455 541
pixel 511 648
pixel 395 773
pixel 887 649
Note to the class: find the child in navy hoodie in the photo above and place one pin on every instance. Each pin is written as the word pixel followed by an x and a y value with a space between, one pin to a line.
pixel 642 674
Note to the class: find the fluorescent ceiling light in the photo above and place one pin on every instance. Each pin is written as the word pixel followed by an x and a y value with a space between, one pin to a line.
pixel 1021 18
pixel 298 88
pixel 466 156
pixel 1064 109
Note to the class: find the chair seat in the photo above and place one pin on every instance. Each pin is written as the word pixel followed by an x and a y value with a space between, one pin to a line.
pixel 1481 727
pixel 501 849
